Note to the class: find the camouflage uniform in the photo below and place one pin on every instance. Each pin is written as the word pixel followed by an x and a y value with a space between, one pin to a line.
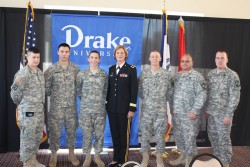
pixel 92 88
pixel 60 86
pixel 28 92
pixel 223 98
pixel 154 91
pixel 189 96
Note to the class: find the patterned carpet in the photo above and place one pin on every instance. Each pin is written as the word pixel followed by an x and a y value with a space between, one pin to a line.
pixel 241 157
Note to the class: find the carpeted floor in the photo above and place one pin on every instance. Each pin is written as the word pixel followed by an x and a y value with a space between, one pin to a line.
pixel 241 158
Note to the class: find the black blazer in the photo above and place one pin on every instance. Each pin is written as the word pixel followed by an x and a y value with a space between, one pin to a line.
pixel 122 89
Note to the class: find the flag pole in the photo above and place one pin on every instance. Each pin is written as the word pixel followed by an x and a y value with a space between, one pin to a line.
pixel 24 35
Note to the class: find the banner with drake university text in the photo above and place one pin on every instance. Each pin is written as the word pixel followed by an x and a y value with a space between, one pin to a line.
pixel 85 33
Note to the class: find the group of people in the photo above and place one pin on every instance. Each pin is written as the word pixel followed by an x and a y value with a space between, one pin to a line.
pixel 188 94
pixel 116 94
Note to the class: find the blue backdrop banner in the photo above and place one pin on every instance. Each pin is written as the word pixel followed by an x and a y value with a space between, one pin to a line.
pixel 85 33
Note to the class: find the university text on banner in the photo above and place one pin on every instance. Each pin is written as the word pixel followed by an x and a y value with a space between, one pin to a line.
pixel 85 33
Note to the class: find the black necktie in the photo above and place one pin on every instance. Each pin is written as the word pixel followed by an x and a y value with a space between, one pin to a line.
pixel 118 69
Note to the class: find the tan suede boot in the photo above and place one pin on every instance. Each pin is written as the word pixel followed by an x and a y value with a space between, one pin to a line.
pixel 72 158
pixel 36 162
pixel 28 163
pixel 53 159
pixel 145 158
pixel 87 160
pixel 98 160
pixel 179 161
pixel 188 160
pixel 159 160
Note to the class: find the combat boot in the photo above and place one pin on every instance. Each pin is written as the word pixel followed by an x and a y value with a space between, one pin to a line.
pixel 36 162
pixel 87 160
pixel 53 159
pixel 72 158
pixel 28 163
pixel 145 158
pixel 159 160
pixel 179 161
pixel 98 160
pixel 188 160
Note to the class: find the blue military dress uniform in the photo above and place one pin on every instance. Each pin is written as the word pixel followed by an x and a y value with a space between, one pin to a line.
pixel 121 98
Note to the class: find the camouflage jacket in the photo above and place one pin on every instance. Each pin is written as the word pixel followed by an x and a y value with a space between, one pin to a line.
pixel 155 90
pixel 28 88
pixel 223 92
pixel 92 88
pixel 190 92
pixel 60 84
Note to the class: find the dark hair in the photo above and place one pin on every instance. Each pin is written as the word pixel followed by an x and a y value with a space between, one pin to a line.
pixel 33 50
pixel 94 51
pixel 222 51
pixel 64 45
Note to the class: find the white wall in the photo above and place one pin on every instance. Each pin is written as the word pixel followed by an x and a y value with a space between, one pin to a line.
pixel 208 8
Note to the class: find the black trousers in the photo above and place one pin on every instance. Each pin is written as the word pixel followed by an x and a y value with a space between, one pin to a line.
pixel 120 132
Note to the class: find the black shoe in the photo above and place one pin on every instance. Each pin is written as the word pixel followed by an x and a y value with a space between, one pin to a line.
pixel 113 165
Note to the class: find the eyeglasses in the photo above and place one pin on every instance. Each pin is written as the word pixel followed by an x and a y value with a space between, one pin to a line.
pixel 185 61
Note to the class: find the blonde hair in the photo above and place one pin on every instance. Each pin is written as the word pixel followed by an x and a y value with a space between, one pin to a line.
pixel 121 47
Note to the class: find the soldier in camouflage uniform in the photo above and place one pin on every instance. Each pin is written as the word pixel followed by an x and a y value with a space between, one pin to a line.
pixel 154 90
pixel 92 86
pixel 28 92
pixel 223 98
pixel 189 97
pixel 60 86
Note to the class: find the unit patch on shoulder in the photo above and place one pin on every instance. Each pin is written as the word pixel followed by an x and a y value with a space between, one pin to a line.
pixel 237 83
pixel 15 87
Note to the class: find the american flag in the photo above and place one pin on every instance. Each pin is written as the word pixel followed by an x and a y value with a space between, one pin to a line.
pixel 29 33
pixel 29 40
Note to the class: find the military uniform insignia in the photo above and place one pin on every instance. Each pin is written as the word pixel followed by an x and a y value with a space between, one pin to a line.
pixel 29 114
pixel 203 85
pixel 124 75
pixel 237 83
pixel 46 74
pixel 15 87
pixel 112 74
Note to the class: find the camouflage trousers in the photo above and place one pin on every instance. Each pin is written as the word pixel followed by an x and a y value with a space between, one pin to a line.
pixel 31 132
pixel 219 136
pixel 185 133
pixel 58 116
pixel 92 125
pixel 153 122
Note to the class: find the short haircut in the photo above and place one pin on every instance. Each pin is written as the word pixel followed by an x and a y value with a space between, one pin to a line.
pixel 222 51
pixel 155 51
pixel 94 51
pixel 33 50
pixel 64 45
pixel 121 47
